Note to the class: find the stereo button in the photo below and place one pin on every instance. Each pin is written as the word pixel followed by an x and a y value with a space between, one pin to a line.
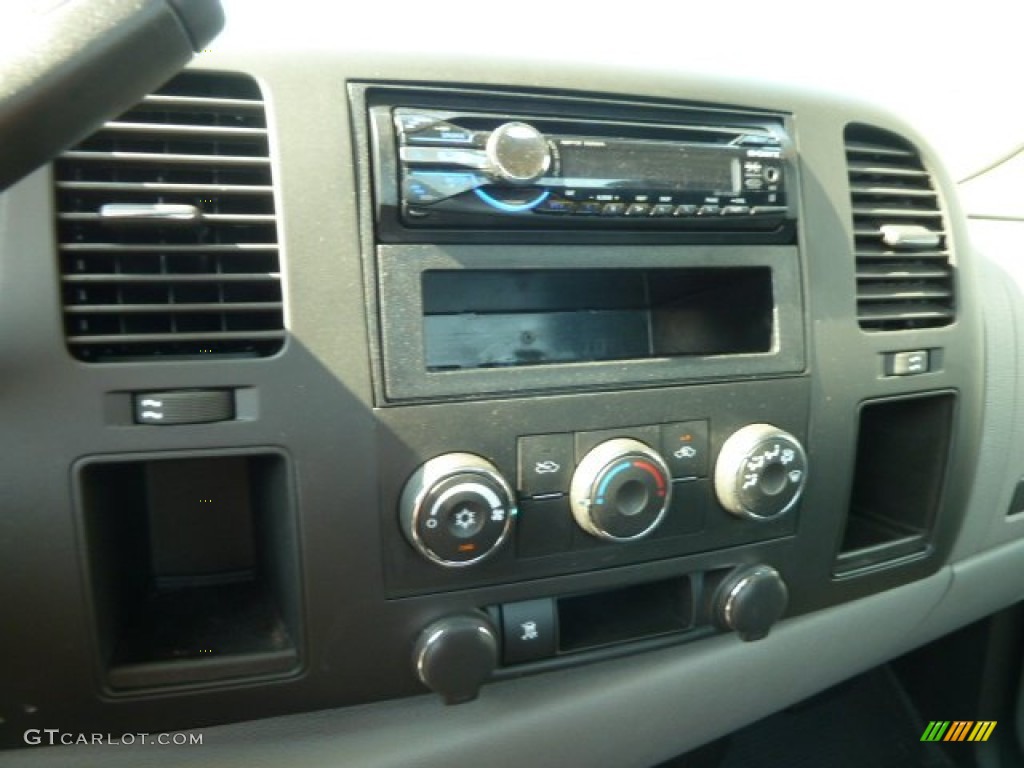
pixel 442 133
pixel 413 121
pixel 735 210
pixel 709 210
pixel 662 209
pixel 638 209
pixel 685 210
pixel 556 206
pixel 613 209
pixel 419 192
pixel 588 208
pixel 467 158
pixel 426 187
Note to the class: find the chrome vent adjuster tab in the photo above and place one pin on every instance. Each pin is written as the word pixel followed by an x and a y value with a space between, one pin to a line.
pixel 167 230
pixel 904 263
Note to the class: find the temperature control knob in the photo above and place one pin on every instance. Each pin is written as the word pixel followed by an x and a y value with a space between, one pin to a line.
pixel 620 490
pixel 760 472
pixel 457 509
pixel 517 153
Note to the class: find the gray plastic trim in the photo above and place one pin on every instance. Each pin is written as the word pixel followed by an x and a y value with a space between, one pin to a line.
pixel 1000 463
pixel 316 400
pixel 677 699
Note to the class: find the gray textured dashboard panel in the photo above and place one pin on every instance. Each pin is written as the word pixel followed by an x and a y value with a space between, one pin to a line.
pixel 622 714
pixel 316 402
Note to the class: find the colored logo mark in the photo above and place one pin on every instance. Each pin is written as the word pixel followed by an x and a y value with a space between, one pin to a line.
pixel 958 730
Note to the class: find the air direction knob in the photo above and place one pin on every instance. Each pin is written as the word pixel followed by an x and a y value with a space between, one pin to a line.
pixel 761 472
pixel 517 153
pixel 457 509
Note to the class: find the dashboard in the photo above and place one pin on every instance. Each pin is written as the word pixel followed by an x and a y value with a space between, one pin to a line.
pixel 383 399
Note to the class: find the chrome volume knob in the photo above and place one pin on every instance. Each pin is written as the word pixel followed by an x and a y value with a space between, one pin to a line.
pixel 761 472
pixel 517 153
pixel 457 509
pixel 620 490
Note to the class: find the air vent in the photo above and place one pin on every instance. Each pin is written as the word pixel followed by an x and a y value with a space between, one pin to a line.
pixel 904 272
pixel 166 228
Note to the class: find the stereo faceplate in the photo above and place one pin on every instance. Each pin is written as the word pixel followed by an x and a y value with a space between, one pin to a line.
pixel 473 166
pixel 492 169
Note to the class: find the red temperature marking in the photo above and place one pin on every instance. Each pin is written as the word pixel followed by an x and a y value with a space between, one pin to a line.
pixel 654 471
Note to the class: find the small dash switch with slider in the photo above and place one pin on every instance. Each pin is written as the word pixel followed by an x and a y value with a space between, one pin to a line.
pixel 184 406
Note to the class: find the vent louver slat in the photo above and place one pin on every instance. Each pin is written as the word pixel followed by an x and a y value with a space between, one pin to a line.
pixel 138 285
pixel 904 269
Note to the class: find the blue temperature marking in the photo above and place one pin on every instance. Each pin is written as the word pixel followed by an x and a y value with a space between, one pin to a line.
pixel 509 207
pixel 470 176
pixel 608 478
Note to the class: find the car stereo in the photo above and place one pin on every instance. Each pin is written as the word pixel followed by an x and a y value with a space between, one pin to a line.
pixel 440 168
pixel 526 243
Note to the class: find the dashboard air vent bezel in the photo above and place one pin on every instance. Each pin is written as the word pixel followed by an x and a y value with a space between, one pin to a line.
pixel 167 228
pixel 905 275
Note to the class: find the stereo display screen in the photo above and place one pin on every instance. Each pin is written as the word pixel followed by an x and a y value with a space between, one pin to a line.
pixel 652 164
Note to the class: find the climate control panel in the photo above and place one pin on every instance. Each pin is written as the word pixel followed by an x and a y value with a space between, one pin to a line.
pixel 648 490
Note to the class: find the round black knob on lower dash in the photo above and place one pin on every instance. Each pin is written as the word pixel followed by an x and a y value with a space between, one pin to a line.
pixel 454 656
pixel 751 600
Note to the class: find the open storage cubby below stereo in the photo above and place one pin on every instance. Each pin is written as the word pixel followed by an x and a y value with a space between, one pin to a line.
pixel 193 567
pixel 510 318
pixel 471 320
